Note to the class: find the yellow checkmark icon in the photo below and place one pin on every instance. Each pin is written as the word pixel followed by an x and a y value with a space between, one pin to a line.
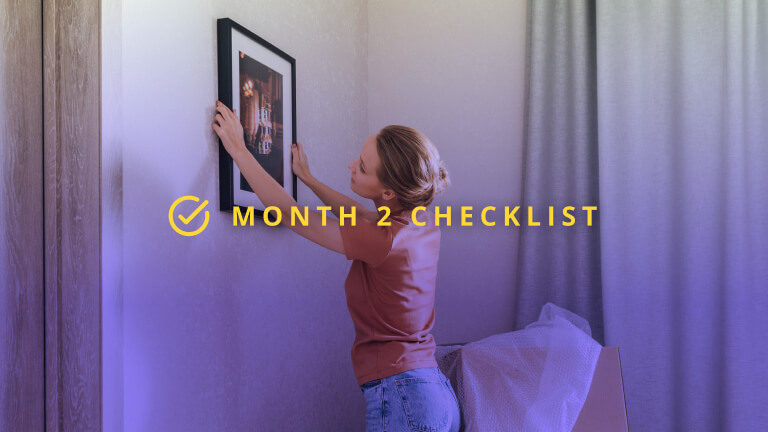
pixel 186 220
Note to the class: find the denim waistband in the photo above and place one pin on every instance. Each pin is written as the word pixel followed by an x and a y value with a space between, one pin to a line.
pixel 430 372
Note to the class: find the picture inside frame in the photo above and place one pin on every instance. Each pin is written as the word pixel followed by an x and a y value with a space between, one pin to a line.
pixel 261 115
pixel 262 82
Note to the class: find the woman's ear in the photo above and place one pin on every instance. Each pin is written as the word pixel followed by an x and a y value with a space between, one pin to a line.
pixel 388 194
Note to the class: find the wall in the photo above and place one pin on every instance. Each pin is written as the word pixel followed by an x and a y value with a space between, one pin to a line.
pixel 455 70
pixel 241 327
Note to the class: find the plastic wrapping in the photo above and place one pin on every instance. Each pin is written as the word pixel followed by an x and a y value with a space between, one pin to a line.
pixel 529 380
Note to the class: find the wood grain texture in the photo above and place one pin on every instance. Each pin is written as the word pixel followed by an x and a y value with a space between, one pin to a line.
pixel 72 214
pixel 21 217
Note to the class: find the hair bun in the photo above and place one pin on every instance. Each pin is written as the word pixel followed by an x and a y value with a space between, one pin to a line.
pixel 442 181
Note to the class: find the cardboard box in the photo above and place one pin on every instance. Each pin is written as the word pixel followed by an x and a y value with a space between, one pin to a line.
pixel 605 409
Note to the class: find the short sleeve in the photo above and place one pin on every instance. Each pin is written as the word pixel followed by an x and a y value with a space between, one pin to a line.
pixel 366 241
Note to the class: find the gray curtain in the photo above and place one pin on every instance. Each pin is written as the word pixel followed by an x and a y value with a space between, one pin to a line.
pixel 682 142
pixel 560 264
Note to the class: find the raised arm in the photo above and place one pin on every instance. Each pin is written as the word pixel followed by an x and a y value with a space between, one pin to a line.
pixel 327 195
pixel 227 126
pixel 335 199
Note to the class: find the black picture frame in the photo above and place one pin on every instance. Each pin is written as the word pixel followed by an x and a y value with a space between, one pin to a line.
pixel 261 109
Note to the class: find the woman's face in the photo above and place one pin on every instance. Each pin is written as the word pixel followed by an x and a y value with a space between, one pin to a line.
pixel 364 181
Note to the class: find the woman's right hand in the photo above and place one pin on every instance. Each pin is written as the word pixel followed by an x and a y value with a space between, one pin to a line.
pixel 300 164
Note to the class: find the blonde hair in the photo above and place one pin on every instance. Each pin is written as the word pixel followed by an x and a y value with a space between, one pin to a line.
pixel 410 166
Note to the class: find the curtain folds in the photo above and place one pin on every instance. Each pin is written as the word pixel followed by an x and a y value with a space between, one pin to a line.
pixel 560 264
pixel 659 110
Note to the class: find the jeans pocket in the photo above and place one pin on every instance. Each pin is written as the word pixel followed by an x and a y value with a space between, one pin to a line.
pixel 426 403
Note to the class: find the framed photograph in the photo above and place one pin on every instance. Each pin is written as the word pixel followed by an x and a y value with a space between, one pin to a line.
pixel 259 81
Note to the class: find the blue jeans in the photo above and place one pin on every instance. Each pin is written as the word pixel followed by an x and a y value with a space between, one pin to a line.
pixel 420 399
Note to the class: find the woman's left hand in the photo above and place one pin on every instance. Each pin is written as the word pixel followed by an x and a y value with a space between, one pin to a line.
pixel 227 126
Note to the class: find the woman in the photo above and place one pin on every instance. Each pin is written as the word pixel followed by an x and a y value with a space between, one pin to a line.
pixel 390 287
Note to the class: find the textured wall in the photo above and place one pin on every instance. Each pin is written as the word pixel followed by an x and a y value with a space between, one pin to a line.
pixel 247 328
pixel 454 70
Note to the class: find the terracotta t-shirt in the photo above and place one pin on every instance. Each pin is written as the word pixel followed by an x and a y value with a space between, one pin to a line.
pixel 390 293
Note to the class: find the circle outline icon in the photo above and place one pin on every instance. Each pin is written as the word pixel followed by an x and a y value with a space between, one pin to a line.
pixel 173 222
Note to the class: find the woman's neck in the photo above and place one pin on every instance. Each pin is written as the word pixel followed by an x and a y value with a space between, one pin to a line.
pixel 394 206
